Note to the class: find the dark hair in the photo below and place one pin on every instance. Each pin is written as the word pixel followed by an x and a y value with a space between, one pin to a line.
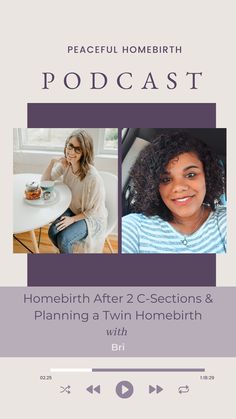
pixel 151 164
pixel 86 144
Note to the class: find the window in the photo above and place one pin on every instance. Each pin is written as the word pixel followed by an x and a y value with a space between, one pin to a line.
pixel 42 138
pixel 109 141
pixel 53 139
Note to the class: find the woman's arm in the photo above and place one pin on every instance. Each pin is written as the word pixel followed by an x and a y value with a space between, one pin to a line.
pixel 47 174
pixel 130 234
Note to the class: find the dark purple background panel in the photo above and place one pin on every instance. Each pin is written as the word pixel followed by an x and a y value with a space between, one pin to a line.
pixel 146 115
pixel 121 270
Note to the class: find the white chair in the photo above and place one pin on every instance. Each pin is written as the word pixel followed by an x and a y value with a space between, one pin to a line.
pixel 111 202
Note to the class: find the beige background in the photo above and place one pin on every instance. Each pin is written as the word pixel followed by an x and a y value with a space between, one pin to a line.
pixel 42 399
pixel 34 37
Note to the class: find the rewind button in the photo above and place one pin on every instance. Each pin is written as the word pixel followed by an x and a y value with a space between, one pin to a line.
pixel 91 389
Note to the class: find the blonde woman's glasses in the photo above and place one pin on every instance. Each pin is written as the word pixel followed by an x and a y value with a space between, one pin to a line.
pixel 71 147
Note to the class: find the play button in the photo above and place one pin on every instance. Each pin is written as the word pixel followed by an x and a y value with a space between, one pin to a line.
pixel 124 389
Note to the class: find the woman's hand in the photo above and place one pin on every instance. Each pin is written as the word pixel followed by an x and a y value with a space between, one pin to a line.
pixel 61 160
pixel 64 222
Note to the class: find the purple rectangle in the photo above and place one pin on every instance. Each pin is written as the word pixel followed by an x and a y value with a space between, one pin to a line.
pixel 120 115
pixel 27 336
pixel 122 270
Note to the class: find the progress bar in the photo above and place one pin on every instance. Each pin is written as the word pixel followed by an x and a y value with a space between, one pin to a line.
pixel 148 369
pixel 127 370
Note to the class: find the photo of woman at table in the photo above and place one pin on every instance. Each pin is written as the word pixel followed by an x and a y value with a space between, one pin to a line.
pixel 176 199
pixel 81 228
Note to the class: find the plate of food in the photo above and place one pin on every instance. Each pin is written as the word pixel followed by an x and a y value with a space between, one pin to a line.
pixel 40 195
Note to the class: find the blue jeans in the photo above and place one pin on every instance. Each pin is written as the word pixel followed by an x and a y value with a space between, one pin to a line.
pixel 65 239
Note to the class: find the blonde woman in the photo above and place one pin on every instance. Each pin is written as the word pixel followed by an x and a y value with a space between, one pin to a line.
pixel 81 229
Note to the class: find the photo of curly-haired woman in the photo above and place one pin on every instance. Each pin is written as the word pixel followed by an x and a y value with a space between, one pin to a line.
pixel 176 198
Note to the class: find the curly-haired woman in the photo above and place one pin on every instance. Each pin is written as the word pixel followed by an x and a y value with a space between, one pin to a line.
pixel 82 227
pixel 177 183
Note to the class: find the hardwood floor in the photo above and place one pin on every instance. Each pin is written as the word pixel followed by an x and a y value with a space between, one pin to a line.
pixel 47 247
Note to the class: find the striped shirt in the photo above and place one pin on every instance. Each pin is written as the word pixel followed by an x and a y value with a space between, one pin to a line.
pixel 142 234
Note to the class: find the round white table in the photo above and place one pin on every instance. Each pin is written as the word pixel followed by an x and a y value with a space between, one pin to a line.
pixel 28 217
